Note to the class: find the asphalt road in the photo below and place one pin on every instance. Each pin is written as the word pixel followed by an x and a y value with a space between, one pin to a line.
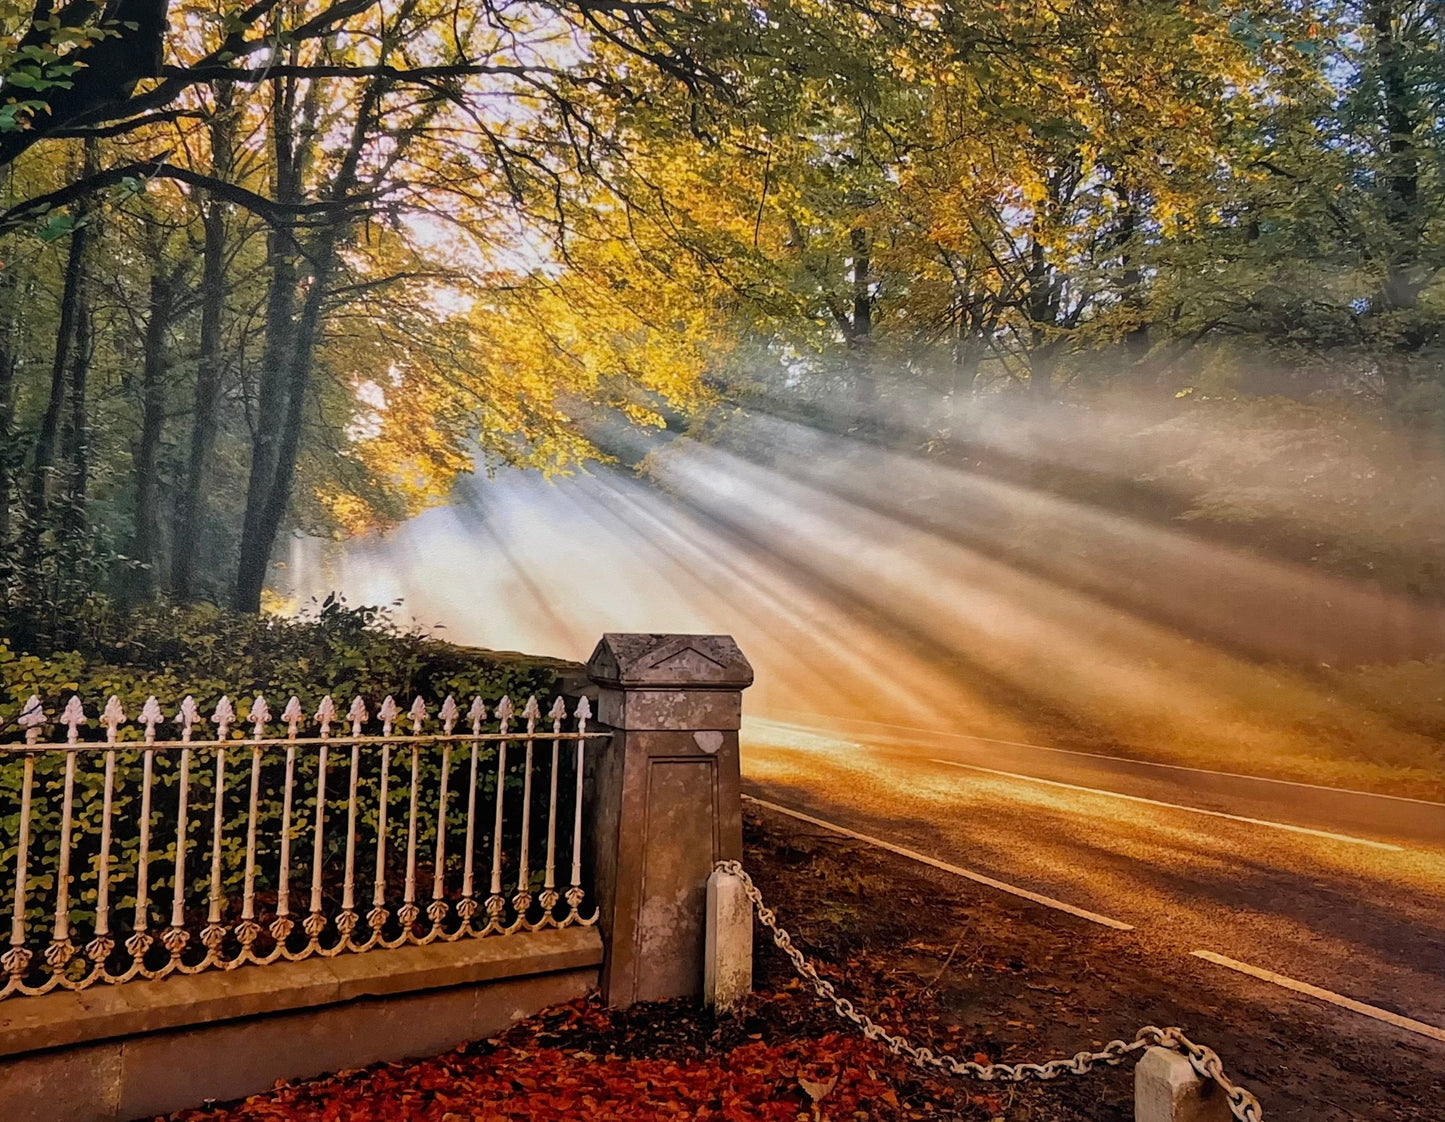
pixel 1339 890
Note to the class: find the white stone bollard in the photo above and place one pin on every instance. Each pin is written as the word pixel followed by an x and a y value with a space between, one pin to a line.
pixel 728 951
pixel 1168 1089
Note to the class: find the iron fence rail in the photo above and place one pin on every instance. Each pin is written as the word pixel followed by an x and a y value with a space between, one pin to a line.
pixel 250 849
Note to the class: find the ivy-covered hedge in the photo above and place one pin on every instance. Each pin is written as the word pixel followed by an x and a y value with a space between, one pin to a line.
pixel 207 652
pixel 172 651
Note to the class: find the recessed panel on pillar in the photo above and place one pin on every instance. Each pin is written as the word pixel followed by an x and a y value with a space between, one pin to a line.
pixel 678 858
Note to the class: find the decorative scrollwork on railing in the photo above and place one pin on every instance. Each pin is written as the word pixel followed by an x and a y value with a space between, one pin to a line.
pixel 106 833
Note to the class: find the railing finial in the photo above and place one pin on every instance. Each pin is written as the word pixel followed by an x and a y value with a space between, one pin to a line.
pixel 72 717
pixel 357 715
pixel 293 715
pixel 31 718
pixel 270 825
pixel 187 716
pixel 325 716
pixel 223 716
pixel 112 718
pixel 259 715
pixel 150 716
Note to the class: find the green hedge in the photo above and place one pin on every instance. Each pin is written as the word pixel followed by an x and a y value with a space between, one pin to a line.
pixel 206 652
pixel 172 651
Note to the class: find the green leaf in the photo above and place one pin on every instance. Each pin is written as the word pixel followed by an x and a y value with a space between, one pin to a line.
pixel 58 227
pixel 27 80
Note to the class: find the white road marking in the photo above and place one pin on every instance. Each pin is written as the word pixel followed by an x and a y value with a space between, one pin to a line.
pixel 1102 756
pixel 1281 980
pixel 1177 806
pixel 1325 995
pixel 968 874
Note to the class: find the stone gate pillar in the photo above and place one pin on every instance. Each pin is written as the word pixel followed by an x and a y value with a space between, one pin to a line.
pixel 665 803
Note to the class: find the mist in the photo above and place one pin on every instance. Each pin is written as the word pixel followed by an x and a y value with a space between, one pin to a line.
pixel 1002 589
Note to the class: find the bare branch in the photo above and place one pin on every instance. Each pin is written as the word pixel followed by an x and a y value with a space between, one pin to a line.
pixel 278 214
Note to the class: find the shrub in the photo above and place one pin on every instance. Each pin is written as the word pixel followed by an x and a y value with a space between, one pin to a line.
pixel 171 650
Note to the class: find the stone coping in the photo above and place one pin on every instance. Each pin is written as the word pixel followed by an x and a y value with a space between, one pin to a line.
pixel 655 661
pixel 104 1012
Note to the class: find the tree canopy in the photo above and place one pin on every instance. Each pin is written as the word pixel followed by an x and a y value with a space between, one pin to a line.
pixel 297 264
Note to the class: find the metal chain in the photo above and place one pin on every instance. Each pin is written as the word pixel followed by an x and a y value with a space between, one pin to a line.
pixel 1243 1105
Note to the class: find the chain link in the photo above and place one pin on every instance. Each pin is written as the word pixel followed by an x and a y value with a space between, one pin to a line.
pixel 1243 1105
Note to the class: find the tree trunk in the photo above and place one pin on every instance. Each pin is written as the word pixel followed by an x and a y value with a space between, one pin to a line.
pixel 276 361
pixel 967 355
pixel 145 547
pixel 74 314
pixel 9 345
pixel 190 517
pixel 74 520
pixel 860 338
pixel 1403 165
pixel 1043 363
pixel 9 356
pixel 256 550
pixel 11 453
pixel 1404 277
pixel 1131 278
pixel 1042 306
pixel 289 360
pixel 862 298
pixel 106 69
pixel 47 437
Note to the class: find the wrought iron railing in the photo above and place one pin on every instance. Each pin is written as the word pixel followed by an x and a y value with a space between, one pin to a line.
pixel 140 857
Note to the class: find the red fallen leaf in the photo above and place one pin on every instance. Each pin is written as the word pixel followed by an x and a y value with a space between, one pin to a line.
pixel 980 1057
pixel 548 1069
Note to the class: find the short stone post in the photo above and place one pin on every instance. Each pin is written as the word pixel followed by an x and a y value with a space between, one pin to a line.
pixel 666 804
pixel 1168 1089
pixel 727 976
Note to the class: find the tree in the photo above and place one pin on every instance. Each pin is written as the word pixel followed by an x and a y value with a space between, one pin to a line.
pixel 211 358
pixel 313 260
pixel 1329 235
